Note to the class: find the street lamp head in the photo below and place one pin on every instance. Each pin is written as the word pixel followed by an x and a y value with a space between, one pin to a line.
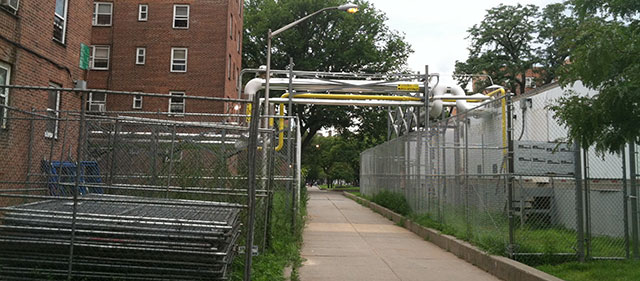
pixel 349 8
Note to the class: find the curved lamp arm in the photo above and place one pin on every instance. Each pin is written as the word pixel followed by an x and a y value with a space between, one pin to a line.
pixel 351 8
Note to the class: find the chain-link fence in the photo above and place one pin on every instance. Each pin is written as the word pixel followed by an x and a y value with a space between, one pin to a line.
pixel 503 177
pixel 88 194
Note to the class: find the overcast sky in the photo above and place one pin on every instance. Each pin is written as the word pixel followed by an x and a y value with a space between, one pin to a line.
pixel 437 29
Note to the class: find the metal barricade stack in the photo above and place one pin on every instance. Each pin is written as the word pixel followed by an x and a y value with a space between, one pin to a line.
pixel 162 239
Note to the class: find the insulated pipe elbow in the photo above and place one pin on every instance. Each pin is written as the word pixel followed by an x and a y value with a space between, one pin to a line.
pixel 253 86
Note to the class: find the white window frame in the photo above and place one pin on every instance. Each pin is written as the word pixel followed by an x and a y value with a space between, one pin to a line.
pixel 95 13
pixel 11 6
pixel 140 12
pixel 530 82
pixel 91 102
pixel 175 8
pixel 137 98
pixel 63 18
pixel 186 59
pixel 143 55
pixel 55 111
pixel 92 57
pixel 183 103
pixel 5 95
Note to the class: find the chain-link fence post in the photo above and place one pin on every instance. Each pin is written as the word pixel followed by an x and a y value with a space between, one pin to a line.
pixel 76 187
pixel 112 153
pixel 466 177
pixel 587 205
pixel 252 149
pixel 625 202
pixel 154 155
pixel 634 199
pixel 266 240
pixel 30 147
pixel 510 174
pixel 171 153
pixel 579 201
pixel 290 161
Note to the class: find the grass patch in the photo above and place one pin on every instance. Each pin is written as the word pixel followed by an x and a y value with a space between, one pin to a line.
pixel 610 270
pixel 285 245
pixel 392 201
pixel 554 244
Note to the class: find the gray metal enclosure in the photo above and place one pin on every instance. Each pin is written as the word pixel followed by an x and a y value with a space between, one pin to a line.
pixel 503 177
pixel 136 195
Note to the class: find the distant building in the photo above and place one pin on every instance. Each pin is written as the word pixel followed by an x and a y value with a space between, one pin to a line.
pixel 39 46
pixel 187 47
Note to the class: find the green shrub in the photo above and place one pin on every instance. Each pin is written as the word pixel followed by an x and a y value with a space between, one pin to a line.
pixel 392 201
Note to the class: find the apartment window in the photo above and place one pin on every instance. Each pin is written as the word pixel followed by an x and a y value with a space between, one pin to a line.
pixel 176 103
pixel 5 75
pixel 229 67
pixel 99 59
pixel 530 82
pixel 53 112
pixel 12 5
pixel 180 16
pixel 143 12
pixel 60 21
pixel 141 54
pixel 137 102
pixel 178 59
pixel 97 102
pixel 102 12
pixel 231 26
pixel 239 41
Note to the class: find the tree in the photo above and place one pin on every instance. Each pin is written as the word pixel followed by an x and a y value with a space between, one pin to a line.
pixel 502 47
pixel 554 28
pixel 333 158
pixel 605 55
pixel 331 41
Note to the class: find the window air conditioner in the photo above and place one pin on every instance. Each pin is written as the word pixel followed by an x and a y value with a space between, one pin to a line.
pixel 10 4
pixel 97 107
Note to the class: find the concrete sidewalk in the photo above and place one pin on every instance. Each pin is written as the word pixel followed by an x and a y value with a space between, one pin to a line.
pixel 346 241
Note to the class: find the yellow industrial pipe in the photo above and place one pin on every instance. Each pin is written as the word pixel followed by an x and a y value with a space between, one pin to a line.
pixel 500 90
pixel 353 97
pixel 331 96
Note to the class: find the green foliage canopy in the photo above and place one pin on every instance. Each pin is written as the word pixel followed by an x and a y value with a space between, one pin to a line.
pixel 605 55
pixel 502 46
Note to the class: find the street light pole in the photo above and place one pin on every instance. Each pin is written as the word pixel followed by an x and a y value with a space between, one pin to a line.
pixel 349 8
pixel 266 79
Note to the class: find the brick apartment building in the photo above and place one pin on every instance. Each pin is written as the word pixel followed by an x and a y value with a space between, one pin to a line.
pixel 178 47
pixel 39 46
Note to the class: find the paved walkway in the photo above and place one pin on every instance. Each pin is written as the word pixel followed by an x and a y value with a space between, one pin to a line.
pixel 346 241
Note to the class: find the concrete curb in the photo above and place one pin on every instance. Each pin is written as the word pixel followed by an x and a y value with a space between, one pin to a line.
pixel 501 267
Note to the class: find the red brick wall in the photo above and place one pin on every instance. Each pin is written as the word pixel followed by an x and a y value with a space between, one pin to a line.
pixel 36 59
pixel 207 39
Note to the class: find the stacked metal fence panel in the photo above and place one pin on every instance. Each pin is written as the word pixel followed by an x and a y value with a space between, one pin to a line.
pixel 126 237
pixel 504 177
pixel 132 195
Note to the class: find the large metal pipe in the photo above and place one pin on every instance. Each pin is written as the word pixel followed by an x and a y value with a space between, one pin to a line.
pixel 345 86
pixel 348 102
pixel 442 95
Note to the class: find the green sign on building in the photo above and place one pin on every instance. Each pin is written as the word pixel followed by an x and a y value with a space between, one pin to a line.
pixel 84 56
